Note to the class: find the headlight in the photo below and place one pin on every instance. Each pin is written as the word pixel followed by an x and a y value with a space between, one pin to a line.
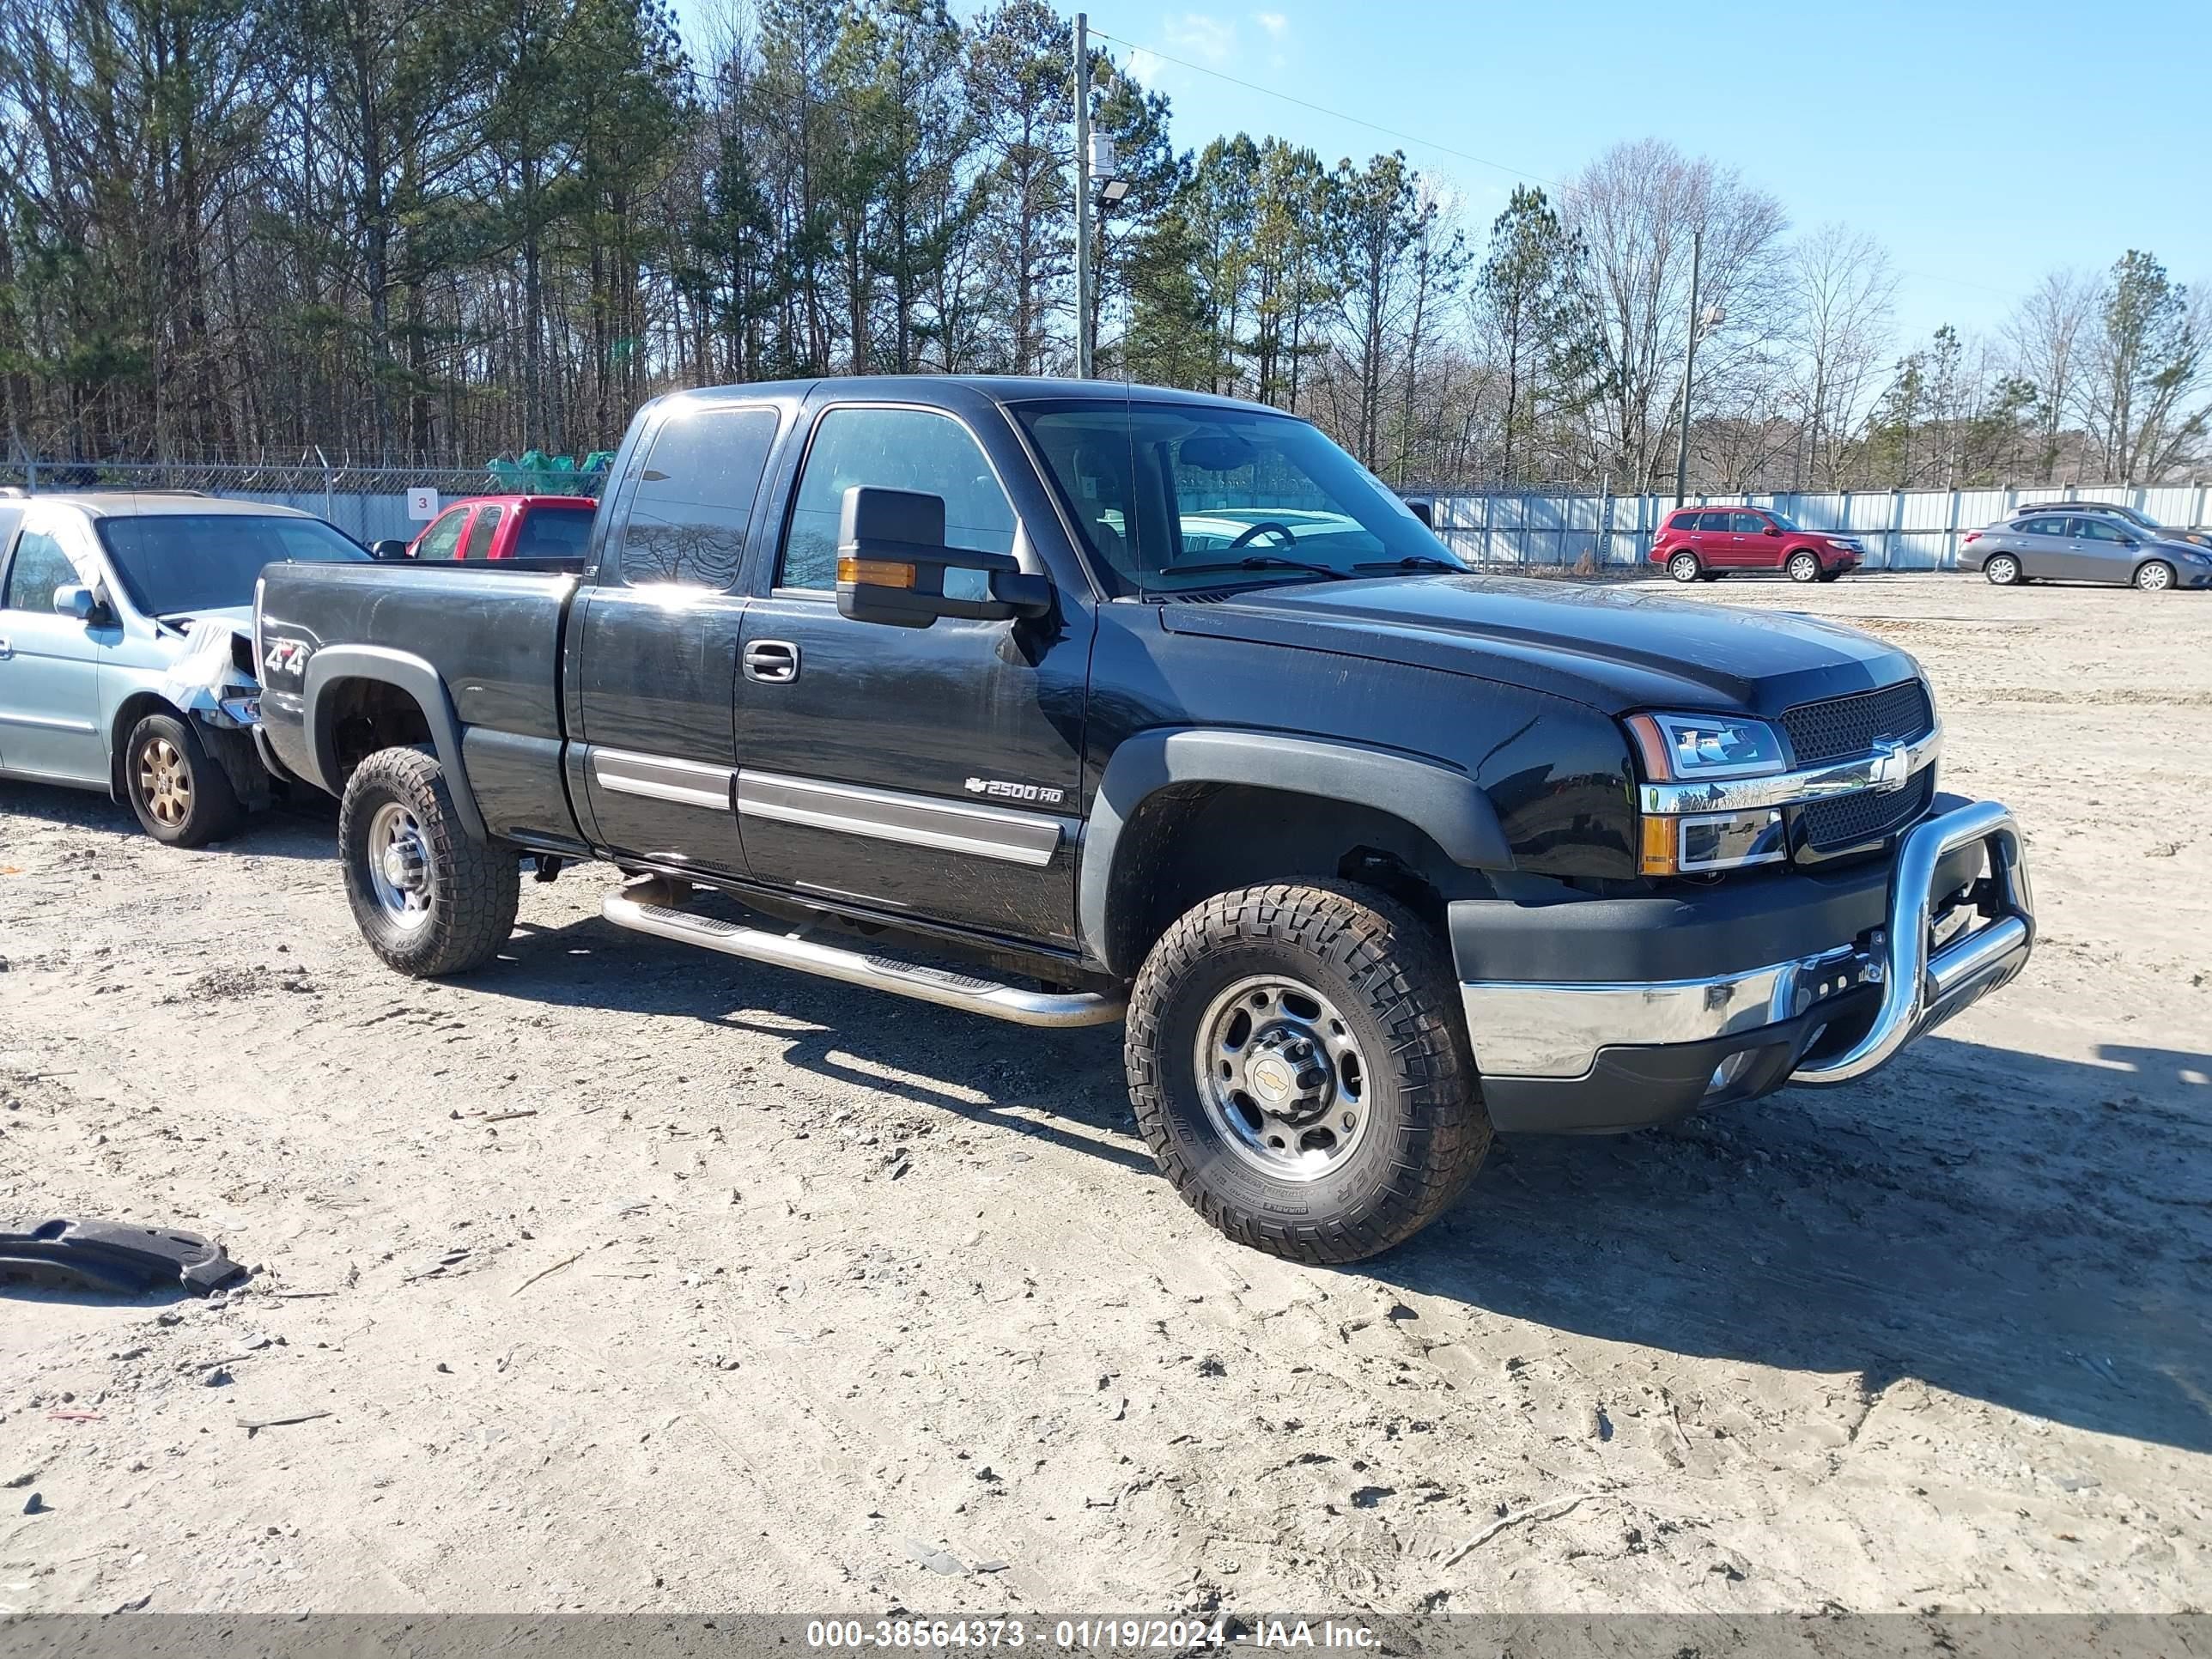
pixel 1694 748
pixel 1685 748
pixel 1845 546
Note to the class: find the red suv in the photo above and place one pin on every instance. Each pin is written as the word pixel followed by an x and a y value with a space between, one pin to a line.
pixel 1704 543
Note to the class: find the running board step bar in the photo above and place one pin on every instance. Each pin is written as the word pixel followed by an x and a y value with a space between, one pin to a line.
pixel 938 985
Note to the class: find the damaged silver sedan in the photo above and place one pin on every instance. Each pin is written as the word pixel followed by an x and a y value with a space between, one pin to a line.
pixel 127 652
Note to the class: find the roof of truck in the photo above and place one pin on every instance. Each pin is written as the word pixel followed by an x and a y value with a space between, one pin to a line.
pixel 150 503
pixel 999 388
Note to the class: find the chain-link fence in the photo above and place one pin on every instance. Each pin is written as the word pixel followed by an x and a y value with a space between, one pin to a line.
pixel 367 503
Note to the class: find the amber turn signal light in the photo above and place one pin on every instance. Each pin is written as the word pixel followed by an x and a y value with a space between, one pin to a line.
pixel 874 573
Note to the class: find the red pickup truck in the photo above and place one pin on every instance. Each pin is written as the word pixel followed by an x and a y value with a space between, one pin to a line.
pixel 507 527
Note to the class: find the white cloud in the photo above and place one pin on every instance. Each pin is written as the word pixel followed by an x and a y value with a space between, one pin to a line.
pixel 1275 22
pixel 1208 39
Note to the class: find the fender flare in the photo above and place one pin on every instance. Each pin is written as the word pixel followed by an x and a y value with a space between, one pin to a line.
pixel 1447 805
pixel 336 664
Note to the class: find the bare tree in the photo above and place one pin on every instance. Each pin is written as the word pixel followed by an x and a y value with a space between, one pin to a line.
pixel 2046 335
pixel 1635 210
pixel 1841 288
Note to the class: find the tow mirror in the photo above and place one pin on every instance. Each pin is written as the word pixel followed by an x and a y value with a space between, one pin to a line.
pixel 893 566
pixel 75 599
pixel 390 547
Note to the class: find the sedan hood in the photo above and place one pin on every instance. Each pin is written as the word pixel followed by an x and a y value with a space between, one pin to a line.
pixel 1616 648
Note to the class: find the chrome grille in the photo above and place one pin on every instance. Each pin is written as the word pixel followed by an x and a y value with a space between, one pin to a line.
pixel 1843 728
pixel 1853 820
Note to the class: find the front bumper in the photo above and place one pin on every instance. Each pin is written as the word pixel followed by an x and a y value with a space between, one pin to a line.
pixel 1637 1011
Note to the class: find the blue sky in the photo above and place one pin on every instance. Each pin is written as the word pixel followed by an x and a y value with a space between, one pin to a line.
pixel 1983 143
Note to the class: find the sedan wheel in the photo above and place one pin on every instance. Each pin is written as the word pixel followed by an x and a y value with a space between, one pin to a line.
pixel 1683 568
pixel 2001 569
pixel 2154 577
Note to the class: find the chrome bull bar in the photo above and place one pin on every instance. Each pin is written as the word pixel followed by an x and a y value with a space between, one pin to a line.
pixel 1923 984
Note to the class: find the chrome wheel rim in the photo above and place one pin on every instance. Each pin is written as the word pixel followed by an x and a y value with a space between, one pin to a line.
pixel 2002 570
pixel 164 782
pixel 2153 577
pixel 1682 568
pixel 1282 1078
pixel 399 867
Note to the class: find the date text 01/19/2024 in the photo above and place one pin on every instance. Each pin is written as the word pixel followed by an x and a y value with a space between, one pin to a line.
pixel 1090 1635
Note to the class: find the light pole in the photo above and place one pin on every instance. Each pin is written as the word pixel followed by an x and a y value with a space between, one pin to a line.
pixel 1082 197
pixel 1701 324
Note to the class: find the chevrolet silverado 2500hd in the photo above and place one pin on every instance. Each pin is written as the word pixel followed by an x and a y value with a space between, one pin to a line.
pixel 1148 705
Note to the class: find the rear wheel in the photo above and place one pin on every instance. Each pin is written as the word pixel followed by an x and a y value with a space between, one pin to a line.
pixel 1684 568
pixel 2155 576
pixel 1804 567
pixel 1300 1068
pixel 2001 569
pixel 180 792
pixel 429 899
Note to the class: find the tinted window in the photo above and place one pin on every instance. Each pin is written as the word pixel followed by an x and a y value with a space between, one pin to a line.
pixel 1747 524
pixel 40 567
pixel 443 540
pixel 479 545
pixel 1718 521
pixel 171 564
pixel 916 449
pixel 690 512
pixel 2041 526
pixel 553 532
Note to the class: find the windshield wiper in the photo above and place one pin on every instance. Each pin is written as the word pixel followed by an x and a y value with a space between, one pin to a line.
pixel 1413 562
pixel 1257 562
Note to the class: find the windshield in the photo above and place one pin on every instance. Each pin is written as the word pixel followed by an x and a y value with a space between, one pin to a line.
pixel 173 564
pixel 1173 496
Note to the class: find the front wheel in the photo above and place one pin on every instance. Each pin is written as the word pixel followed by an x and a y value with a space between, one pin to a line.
pixel 2155 576
pixel 1804 568
pixel 1300 1068
pixel 2001 570
pixel 429 899
pixel 179 791
pixel 1685 567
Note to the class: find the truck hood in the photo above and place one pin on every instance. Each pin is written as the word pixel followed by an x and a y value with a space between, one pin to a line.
pixel 1616 648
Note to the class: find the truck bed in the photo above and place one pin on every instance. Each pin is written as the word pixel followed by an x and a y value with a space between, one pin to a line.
pixel 488 636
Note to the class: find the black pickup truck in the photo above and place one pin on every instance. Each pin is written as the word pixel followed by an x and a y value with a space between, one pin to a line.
pixel 1140 704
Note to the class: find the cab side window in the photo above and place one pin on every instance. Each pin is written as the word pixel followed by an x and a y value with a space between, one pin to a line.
pixel 40 568
pixel 443 540
pixel 916 449
pixel 692 509
pixel 480 533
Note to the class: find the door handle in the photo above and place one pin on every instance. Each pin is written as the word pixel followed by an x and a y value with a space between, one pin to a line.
pixel 771 662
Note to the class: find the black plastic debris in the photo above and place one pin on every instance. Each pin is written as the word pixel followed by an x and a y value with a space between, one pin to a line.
pixel 113 1255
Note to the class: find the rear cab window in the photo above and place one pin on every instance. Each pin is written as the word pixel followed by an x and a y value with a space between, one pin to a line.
pixel 689 518
pixel 553 532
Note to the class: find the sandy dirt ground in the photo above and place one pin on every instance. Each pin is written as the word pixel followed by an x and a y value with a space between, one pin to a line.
pixel 627 1278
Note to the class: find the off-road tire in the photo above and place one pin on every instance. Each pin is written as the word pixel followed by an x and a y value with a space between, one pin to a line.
pixel 475 885
pixel 213 811
pixel 1804 567
pixel 1685 566
pixel 2001 570
pixel 2155 577
pixel 1389 976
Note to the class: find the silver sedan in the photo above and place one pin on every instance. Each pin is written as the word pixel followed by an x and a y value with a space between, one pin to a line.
pixel 2082 547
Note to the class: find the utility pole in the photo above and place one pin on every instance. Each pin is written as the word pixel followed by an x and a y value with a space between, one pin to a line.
pixel 1082 197
pixel 1689 361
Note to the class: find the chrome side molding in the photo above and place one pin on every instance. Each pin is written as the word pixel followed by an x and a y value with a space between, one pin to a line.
pixel 1921 988
pixel 951 826
pixel 808 955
